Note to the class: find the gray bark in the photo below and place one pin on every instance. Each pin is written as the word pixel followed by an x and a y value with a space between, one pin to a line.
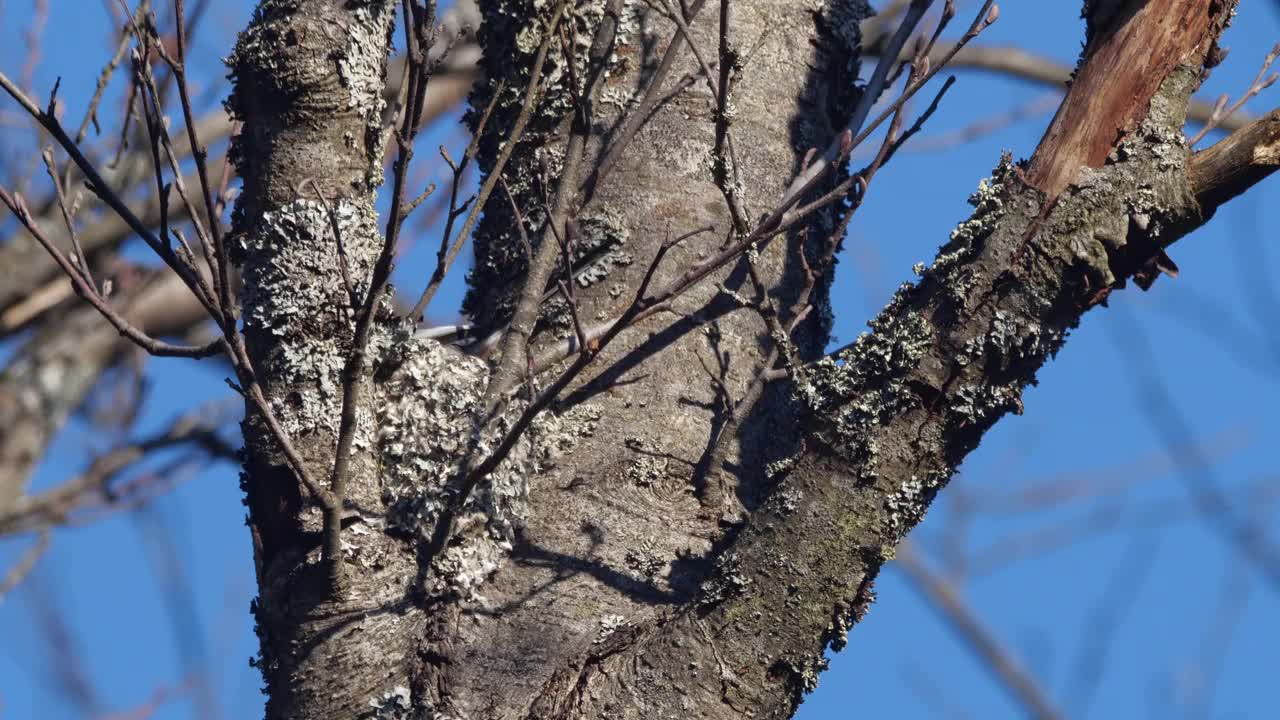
pixel 608 567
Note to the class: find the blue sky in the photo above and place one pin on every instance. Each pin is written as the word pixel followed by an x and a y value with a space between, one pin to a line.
pixel 1187 626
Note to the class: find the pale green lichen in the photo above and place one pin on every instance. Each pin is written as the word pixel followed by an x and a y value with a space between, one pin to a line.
pixel 904 506
pixel 293 292
pixel 361 68
pixel 727 581
pixel 778 469
pixel 510 41
pixel 598 248
pixel 609 625
pixel 358 40
pixel 856 390
pixel 789 500
pixel 1013 340
pixel 429 424
pixel 949 267
pixel 803 671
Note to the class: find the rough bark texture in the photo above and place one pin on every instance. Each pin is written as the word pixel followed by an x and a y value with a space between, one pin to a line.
pixel 308 80
pixel 589 563
pixel 606 569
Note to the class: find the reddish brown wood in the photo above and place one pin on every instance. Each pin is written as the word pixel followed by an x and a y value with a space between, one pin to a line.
pixel 1112 91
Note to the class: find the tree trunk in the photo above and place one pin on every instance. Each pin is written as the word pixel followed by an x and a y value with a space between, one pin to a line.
pixel 644 552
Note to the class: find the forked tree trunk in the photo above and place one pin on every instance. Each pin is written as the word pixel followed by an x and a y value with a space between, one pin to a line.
pixel 619 564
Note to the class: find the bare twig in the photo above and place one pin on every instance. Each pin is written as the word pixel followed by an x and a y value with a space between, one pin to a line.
pixel 515 341
pixel 68 215
pixel 653 97
pixel 104 77
pixel 981 640
pixel 474 472
pixel 86 290
pixel 23 567
pixel 199 152
pixel 219 308
pixel 60 504
pixel 1221 112
pixel 419 29
pixel 876 84
pixel 102 190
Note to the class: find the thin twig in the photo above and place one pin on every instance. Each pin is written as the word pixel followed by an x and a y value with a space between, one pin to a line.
pixel 474 472
pixel 653 98
pixel 1221 112
pixel 68 215
pixel 23 567
pixel 980 639
pixel 103 191
pixel 515 340
pixel 353 372
pixel 85 290
pixel 199 152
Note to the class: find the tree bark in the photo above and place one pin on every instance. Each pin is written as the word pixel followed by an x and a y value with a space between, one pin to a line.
pixel 619 563
pixel 308 86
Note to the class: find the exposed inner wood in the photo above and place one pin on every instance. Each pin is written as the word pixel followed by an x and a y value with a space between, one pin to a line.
pixel 1113 89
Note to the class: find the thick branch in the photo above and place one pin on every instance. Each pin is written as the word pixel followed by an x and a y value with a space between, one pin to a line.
pixel 893 414
pixel 1237 162
pixel 1111 92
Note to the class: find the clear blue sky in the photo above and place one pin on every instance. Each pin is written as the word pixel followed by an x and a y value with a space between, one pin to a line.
pixel 1189 629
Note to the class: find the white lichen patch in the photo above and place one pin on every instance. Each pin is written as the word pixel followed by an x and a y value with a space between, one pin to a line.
pixel 647 471
pixel 579 24
pixel 907 505
pixel 598 248
pixel 789 500
pixel 394 704
pixel 610 624
pixel 988 208
pixel 728 581
pixel 284 62
pixel 804 671
pixel 558 434
pixel 360 67
pixel 618 98
pixel 429 420
pixel 646 559
pixel 649 467
pixel 512 35
pixel 428 425
pixel 1012 339
pixel 294 293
